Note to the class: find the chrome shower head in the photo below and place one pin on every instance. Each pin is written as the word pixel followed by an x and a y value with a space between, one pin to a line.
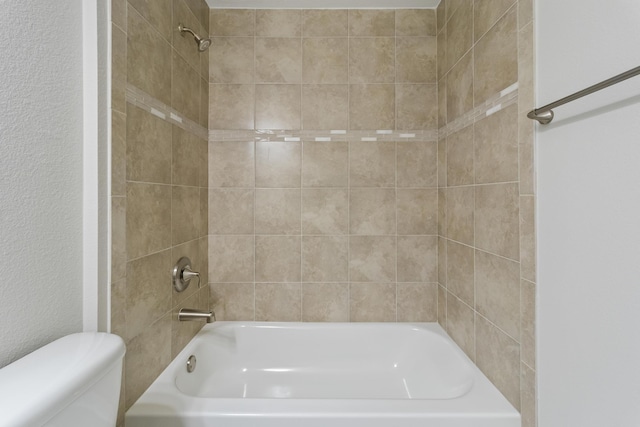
pixel 203 44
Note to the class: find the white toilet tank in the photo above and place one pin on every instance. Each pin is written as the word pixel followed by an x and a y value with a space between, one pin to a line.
pixel 73 381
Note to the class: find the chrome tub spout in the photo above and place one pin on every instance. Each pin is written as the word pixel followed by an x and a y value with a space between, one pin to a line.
pixel 187 314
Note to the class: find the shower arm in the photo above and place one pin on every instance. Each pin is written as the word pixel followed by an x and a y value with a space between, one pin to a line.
pixel 184 29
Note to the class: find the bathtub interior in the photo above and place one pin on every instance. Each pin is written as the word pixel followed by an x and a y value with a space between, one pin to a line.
pixel 325 361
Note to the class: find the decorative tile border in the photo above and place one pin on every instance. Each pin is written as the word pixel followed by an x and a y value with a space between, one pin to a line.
pixel 150 104
pixel 323 135
pixel 494 104
pixel 505 98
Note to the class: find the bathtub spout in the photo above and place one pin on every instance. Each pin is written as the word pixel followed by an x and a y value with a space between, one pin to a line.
pixel 186 314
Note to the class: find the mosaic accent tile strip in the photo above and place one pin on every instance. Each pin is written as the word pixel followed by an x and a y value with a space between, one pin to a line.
pixel 505 98
pixel 150 104
pixel 323 135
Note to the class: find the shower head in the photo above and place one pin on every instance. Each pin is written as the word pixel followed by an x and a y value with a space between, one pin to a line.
pixel 203 44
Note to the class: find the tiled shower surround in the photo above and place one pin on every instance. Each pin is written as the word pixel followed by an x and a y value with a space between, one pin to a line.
pixel 427 185
pixel 486 248
pixel 159 181
pixel 322 225
pixel 363 165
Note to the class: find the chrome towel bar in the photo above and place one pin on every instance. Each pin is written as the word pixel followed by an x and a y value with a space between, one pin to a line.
pixel 544 115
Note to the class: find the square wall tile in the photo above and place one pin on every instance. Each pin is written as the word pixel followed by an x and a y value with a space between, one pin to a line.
pixel 278 60
pixel 325 107
pixel 417 164
pixel 372 164
pixel 233 301
pixel 231 106
pixel 148 219
pixel 415 22
pixel 278 23
pixel 460 157
pixel 278 106
pixel 278 302
pixel 416 60
pixel 186 153
pixel 486 14
pixel 496 147
pixel 372 211
pixel 325 211
pixel 231 164
pixel 232 22
pixel 325 22
pixel 459 33
pixel 498 357
pixel 325 60
pixel 231 60
pixel 325 259
pixel 417 211
pixel 148 291
pixel 372 60
pixel 148 147
pixel 325 302
pixel 277 259
pixel 460 272
pixel 372 302
pixel 372 106
pixel 185 214
pixel 416 106
pixel 148 354
pixel 498 291
pixel 231 259
pixel 496 58
pixel 326 164
pixel 460 325
pixel 149 54
pixel 372 259
pixel 277 211
pixel 417 259
pixel 374 23
pixel 460 85
pixel 417 302
pixel 460 214
pixel 278 164
pixel 231 211
pixel 497 219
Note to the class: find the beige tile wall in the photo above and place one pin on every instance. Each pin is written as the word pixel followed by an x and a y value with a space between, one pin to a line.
pixel 340 230
pixel 346 230
pixel 159 182
pixel 323 231
pixel 486 297
pixel 323 69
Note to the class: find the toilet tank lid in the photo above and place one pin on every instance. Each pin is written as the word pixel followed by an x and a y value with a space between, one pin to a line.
pixel 39 385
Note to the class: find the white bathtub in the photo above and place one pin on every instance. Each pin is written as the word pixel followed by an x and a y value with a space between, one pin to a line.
pixel 322 374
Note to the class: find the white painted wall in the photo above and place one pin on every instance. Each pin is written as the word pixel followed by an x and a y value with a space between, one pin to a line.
pixel 41 137
pixel 589 216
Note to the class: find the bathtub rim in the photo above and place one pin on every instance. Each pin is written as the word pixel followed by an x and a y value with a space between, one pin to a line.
pixel 163 399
